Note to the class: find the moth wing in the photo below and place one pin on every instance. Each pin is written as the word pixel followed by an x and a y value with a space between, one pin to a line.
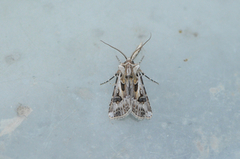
pixel 120 105
pixel 140 104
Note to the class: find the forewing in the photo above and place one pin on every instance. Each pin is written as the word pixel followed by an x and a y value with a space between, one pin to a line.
pixel 120 103
pixel 140 104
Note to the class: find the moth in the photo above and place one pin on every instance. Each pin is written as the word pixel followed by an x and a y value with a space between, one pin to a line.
pixel 129 93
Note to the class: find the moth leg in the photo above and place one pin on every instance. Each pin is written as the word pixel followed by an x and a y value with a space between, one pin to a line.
pixel 108 80
pixel 150 78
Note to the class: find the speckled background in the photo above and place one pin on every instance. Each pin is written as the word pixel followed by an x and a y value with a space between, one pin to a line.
pixel 52 63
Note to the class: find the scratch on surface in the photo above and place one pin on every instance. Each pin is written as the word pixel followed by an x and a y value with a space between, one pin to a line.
pixel 54 127
pixel 118 154
pixel 122 141
pixel 9 125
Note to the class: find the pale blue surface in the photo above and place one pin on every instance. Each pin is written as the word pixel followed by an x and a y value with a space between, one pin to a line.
pixel 52 60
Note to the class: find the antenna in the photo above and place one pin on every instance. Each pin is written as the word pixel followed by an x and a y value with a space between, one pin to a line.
pixel 115 49
pixel 135 53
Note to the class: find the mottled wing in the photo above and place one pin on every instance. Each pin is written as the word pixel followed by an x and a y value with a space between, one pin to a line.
pixel 120 105
pixel 140 104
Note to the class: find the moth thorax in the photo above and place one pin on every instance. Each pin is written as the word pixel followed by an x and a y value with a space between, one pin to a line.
pixel 128 70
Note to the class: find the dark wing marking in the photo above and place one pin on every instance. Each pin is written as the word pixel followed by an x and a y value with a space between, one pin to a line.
pixel 120 105
pixel 140 104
